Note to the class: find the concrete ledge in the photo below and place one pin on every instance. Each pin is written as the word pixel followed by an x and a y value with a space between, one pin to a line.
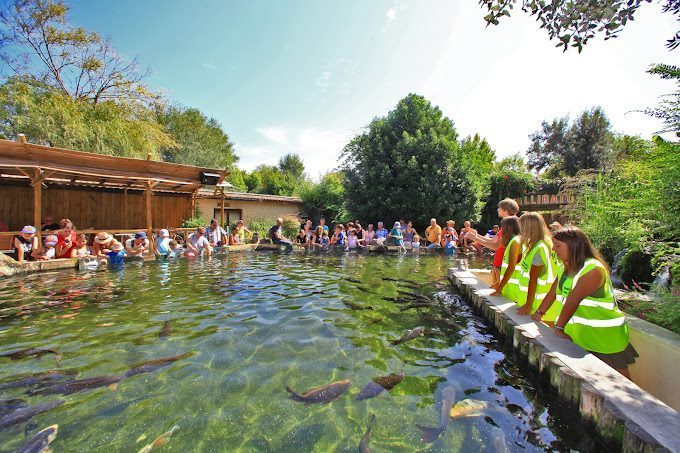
pixel 624 414
pixel 9 267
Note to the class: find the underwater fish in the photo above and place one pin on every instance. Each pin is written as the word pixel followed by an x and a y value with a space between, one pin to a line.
pixel 355 306
pixel 31 352
pixel 25 413
pixel 166 330
pixel 7 406
pixel 160 440
pixel 374 321
pixel 498 441
pixel 41 441
pixel 415 305
pixel 410 335
pixel 366 438
pixel 469 408
pixel 379 385
pixel 39 379
pixel 430 434
pixel 322 395
pixel 153 365
pixel 390 279
pixel 78 386
pixel 352 280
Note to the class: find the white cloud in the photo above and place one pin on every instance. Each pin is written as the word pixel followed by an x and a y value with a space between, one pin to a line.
pixel 209 65
pixel 319 149
pixel 324 80
pixel 391 15
pixel 276 134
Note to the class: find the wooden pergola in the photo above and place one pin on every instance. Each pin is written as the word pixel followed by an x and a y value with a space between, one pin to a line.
pixel 42 165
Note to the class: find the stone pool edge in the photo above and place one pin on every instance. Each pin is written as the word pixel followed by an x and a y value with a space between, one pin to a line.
pixel 620 411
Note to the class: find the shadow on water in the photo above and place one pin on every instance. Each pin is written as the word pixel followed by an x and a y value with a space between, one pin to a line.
pixel 258 322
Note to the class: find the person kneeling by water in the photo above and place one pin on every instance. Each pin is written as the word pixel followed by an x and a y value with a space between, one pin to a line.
pixel 277 237
pixel 583 290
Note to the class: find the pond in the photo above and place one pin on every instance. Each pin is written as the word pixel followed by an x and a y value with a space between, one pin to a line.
pixel 237 331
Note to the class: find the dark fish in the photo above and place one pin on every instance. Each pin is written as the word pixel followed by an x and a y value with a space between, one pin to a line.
pixel 355 306
pixel 374 321
pixel 322 395
pixel 415 305
pixel 366 438
pixel 153 365
pixel 430 434
pixel 353 280
pixel 26 413
pixel 391 299
pixel 78 386
pixel 39 379
pixel 41 441
pixel 7 406
pixel 31 352
pixel 410 335
pixel 390 279
pixel 166 330
pixel 379 385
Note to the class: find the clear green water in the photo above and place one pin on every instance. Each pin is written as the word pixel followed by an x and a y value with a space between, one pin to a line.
pixel 254 323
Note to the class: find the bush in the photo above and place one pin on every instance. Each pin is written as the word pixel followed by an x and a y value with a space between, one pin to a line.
pixel 261 226
pixel 636 266
pixel 664 312
pixel 194 222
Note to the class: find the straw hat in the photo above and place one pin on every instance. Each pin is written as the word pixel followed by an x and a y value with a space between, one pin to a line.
pixel 103 238
pixel 116 246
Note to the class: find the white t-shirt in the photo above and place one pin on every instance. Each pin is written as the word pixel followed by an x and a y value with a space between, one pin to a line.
pixel 200 242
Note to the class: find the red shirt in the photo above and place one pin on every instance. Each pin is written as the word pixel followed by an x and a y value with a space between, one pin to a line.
pixel 500 251
pixel 61 242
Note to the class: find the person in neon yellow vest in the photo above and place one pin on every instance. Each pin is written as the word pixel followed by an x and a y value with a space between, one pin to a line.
pixel 589 314
pixel 511 241
pixel 536 268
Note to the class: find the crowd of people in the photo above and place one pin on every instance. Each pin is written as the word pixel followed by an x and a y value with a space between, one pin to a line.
pixel 62 241
pixel 353 236
pixel 558 278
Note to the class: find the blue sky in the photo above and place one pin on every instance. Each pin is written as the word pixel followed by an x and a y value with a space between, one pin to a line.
pixel 306 75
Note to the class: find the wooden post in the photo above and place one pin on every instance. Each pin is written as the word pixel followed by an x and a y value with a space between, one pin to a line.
pixel 149 218
pixel 222 210
pixel 125 209
pixel 37 203
pixel 194 194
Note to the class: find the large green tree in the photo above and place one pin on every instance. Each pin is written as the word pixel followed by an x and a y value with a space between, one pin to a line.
pixel 200 140
pixel 38 42
pixel 574 22
pixel 326 199
pixel 563 149
pixel 50 117
pixel 509 178
pixel 409 164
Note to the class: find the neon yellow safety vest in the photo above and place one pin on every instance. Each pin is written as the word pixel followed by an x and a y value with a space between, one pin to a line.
pixel 597 325
pixel 544 282
pixel 511 288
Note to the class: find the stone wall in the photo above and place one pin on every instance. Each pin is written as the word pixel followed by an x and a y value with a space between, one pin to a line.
pixel 626 416
pixel 249 209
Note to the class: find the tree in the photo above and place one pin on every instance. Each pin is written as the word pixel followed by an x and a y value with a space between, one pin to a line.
pixel 326 199
pixel 509 178
pixel 200 140
pixel 573 22
pixel 409 164
pixel 50 117
pixel 237 178
pixel 292 165
pixel 669 109
pixel 561 149
pixel 39 43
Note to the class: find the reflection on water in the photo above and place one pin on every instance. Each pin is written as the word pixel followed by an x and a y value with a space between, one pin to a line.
pixel 254 324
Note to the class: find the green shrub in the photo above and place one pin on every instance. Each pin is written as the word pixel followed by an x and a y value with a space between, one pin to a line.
pixel 664 312
pixel 636 266
pixel 290 227
pixel 194 222
pixel 261 226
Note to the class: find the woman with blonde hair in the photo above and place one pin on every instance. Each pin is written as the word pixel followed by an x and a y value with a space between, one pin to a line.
pixel 583 290
pixel 536 270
